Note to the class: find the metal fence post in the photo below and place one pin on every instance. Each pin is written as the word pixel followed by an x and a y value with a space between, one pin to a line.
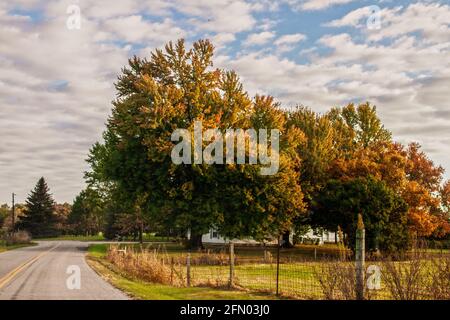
pixel 231 283
pixel 360 258
pixel 188 269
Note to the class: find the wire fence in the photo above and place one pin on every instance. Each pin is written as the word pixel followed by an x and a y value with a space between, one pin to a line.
pixel 316 275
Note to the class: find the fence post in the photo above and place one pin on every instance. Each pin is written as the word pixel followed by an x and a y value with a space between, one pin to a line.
pixel 278 265
pixel 360 258
pixel 171 271
pixel 231 283
pixel 188 269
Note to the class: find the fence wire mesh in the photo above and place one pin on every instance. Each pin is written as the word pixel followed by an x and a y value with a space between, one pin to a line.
pixel 309 274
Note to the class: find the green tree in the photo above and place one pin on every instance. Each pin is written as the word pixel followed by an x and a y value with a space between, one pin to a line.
pixel 356 128
pixel 62 212
pixel 174 89
pixel 87 214
pixel 39 218
pixel 4 212
pixel 384 212
pixel 316 150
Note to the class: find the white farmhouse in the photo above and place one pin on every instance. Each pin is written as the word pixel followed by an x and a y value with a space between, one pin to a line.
pixel 213 237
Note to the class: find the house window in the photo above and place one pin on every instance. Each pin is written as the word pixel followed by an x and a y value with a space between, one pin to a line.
pixel 213 234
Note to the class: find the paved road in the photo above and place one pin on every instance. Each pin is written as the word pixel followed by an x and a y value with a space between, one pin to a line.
pixel 40 273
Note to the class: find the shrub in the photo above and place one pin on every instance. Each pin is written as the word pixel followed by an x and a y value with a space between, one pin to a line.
pixel 337 280
pixel 439 272
pixel 19 237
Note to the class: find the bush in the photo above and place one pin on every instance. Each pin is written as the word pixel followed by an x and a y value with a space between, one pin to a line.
pixel 19 237
pixel 417 275
pixel 439 286
pixel 337 280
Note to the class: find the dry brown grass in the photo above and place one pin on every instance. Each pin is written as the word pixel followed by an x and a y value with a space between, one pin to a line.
pixel 150 266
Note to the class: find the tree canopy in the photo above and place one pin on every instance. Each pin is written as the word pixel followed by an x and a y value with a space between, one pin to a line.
pixel 332 166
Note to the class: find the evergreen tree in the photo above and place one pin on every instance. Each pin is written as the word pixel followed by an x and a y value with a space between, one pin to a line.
pixel 39 218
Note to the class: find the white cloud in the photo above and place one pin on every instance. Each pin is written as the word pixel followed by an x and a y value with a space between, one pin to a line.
pixel 229 16
pixel 135 29
pixel 219 40
pixel 257 39
pixel 353 18
pixel 315 4
pixel 290 39
pixel 287 42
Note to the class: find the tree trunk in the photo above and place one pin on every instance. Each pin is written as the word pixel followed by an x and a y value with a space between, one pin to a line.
pixel 286 240
pixel 195 242
pixel 141 233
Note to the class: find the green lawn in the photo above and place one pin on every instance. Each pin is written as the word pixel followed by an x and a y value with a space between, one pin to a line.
pixel 100 237
pixel 149 291
pixel 4 247
pixel 75 238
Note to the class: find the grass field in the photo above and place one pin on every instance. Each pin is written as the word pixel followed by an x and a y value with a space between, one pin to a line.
pixel 4 247
pixel 149 291
pixel 100 237
pixel 299 278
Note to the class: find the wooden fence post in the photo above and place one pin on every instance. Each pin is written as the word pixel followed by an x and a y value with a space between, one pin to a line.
pixel 171 271
pixel 231 283
pixel 360 258
pixel 188 269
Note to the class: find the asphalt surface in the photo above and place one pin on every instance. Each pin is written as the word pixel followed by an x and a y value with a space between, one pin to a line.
pixel 53 270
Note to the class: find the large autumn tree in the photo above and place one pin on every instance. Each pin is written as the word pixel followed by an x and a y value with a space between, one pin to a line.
pixel 172 90
pixel 425 194
pixel 363 175
pixel 38 217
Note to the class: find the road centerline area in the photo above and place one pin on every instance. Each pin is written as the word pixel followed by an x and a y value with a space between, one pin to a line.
pixel 13 273
pixel 45 272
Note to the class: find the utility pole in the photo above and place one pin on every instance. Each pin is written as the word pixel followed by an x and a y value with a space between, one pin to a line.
pixel 13 213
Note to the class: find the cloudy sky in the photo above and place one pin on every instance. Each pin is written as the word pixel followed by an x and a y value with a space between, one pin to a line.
pixel 56 80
